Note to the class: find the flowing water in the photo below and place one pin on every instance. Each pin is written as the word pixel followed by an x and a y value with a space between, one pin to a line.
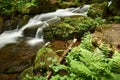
pixel 16 49
pixel 41 21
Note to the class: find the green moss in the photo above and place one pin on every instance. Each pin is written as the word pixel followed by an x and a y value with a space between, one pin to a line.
pixel 68 4
pixel 27 74
pixel 97 10
pixel 44 58
pixel 117 19
pixel 72 27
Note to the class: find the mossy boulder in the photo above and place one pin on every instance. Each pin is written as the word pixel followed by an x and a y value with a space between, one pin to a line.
pixel 38 6
pixel 27 74
pixel 98 10
pixel 66 4
pixel 71 27
pixel 44 58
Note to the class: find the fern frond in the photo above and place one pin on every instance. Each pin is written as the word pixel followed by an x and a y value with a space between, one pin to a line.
pixel 79 68
pixel 114 63
pixel 86 42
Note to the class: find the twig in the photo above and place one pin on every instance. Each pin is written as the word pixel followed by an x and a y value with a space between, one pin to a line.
pixel 62 57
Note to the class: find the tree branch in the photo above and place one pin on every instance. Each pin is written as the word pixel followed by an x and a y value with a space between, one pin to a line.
pixel 62 57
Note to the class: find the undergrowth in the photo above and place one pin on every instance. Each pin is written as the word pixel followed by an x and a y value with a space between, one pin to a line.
pixel 8 7
pixel 86 62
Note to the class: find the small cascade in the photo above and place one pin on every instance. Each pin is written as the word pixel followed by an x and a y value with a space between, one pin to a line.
pixel 40 22
pixel 38 37
pixel 39 33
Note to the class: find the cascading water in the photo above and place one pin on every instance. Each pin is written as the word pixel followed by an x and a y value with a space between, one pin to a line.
pixel 41 21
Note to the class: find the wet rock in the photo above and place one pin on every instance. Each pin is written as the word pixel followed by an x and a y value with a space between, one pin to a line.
pixel 30 32
pixel 14 58
pixel 9 76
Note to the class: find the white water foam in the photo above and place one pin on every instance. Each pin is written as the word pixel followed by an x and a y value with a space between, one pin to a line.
pixel 8 37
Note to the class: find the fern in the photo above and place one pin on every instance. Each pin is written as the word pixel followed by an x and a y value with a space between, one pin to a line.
pixel 89 64
pixel 85 62
pixel 86 42
pixel 80 68
pixel 114 63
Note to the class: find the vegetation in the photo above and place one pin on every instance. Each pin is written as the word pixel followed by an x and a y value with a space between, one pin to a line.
pixel 83 62
pixel 11 6
pixel 72 27
pixel 86 62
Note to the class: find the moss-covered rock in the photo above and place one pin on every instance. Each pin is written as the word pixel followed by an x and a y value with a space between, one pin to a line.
pixel 66 4
pixel 44 58
pixel 27 74
pixel 71 27
pixel 98 10
pixel 38 6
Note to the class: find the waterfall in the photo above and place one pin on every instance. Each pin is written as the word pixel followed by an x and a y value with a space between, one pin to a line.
pixel 39 33
pixel 40 21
